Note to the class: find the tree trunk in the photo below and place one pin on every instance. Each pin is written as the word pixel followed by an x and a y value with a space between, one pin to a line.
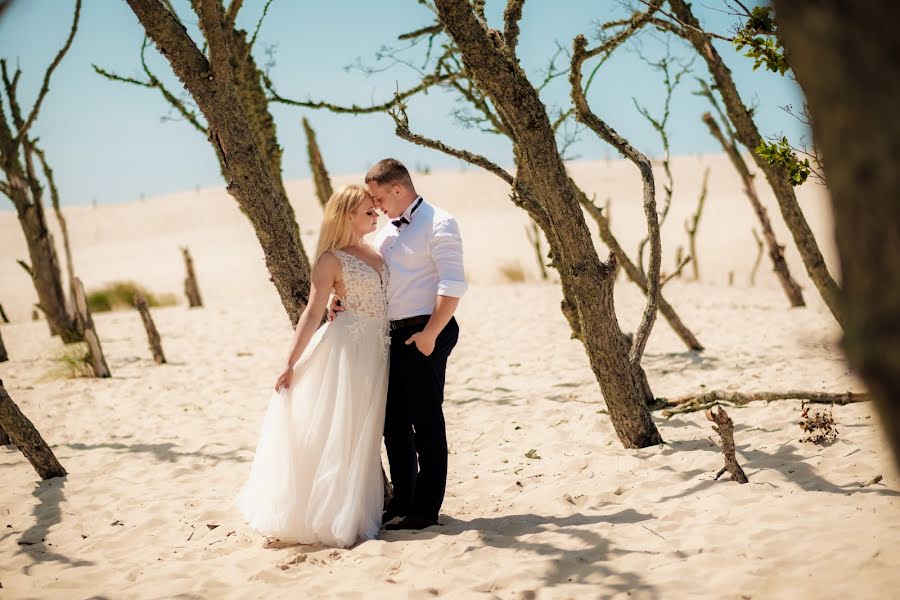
pixel 587 282
pixel 790 287
pixel 317 165
pixel 3 355
pixel 844 56
pixel 748 134
pixel 211 84
pixel 27 439
pixel 634 274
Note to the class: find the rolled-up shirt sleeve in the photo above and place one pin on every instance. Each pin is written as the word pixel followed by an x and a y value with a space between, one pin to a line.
pixel 447 253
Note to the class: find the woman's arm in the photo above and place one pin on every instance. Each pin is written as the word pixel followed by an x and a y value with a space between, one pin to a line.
pixel 325 276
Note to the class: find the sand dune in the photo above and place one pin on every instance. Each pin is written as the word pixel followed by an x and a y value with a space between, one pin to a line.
pixel 156 454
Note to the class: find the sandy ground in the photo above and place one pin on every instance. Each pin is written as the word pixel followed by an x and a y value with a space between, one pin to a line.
pixel 156 454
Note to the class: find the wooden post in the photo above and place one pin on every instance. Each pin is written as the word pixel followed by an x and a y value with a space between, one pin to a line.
pixel 152 335
pixel 724 426
pixel 3 314
pixel 191 289
pixel 86 327
pixel 23 434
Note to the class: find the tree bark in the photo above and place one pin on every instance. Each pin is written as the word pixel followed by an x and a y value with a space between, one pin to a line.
pixel 587 281
pixel 845 57
pixel 211 84
pixel 790 287
pixel 317 165
pixel 26 438
pixel 152 334
pixel 748 135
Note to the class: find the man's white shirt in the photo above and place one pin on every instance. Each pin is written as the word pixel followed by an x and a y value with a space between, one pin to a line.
pixel 424 259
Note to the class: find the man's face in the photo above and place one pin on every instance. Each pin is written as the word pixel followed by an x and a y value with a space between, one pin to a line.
pixel 384 196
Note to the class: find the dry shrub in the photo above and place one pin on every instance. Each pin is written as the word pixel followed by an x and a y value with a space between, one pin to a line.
pixel 119 295
pixel 818 427
pixel 71 362
pixel 512 272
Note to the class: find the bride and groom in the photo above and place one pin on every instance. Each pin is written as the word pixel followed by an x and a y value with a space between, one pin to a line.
pixel 377 368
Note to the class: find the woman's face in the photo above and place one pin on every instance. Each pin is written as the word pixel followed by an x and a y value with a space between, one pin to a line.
pixel 364 219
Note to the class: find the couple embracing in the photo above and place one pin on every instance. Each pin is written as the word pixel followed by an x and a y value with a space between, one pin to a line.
pixel 377 368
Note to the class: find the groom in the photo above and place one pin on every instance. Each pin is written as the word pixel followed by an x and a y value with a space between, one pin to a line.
pixel 423 251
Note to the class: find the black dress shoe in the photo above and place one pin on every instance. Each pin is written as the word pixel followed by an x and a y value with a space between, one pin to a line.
pixel 391 513
pixel 411 522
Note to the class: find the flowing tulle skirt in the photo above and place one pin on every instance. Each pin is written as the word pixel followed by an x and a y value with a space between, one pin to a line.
pixel 316 475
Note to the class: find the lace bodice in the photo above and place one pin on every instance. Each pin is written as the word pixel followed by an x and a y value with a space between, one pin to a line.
pixel 365 289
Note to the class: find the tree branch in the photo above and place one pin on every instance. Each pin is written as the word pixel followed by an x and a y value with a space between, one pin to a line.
pixel 45 86
pixel 511 17
pixel 584 114
pixel 354 109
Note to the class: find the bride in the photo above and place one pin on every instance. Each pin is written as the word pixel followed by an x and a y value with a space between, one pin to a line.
pixel 316 476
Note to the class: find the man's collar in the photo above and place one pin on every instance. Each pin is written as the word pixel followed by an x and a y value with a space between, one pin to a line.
pixel 408 213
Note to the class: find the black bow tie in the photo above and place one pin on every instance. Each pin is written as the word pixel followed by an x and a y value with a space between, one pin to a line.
pixel 400 221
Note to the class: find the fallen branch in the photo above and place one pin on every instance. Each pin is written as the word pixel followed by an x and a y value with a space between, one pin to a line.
pixel 724 426
pixel 152 334
pixel 694 403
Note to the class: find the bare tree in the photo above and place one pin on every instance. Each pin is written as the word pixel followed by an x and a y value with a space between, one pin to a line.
pixel 210 80
pixel 542 187
pixel 685 25
pixel 22 185
pixel 693 224
pixel 321 180
pixel 776 251
pixel 844 56
pixel 15 427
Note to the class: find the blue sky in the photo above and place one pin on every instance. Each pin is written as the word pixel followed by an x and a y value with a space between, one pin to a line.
pixel 111 142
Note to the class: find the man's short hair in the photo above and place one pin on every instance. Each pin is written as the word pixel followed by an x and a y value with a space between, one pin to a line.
pixel 389 171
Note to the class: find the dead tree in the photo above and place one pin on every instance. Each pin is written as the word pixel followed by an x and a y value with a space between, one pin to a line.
pixel 321 180
pixel 3 355
pixel 760 246
pixel 660 124
pixel 534 238
pixel 152 334
pixel 544 190
pixel 191 288
pixel 634 274
pixel 23 187
pixel 776 251
pixel 845 58
pixel 723 425
pixel 691 225
pixel 22 433
pixel 85 322
pixel 747 133
pixel 215 85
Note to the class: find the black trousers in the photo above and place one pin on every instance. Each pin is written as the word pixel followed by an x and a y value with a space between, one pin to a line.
pixel 414 432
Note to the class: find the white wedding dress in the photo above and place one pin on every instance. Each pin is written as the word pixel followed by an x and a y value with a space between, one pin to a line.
pixel 316 476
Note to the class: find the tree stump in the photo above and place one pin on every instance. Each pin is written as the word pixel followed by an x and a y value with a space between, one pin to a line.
pixel 152 334
pixel 23 434
pixel 85 326
pixel 191 289
pixel 724 426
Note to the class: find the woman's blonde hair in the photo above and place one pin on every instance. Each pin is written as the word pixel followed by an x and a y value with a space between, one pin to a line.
pixel 336 232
